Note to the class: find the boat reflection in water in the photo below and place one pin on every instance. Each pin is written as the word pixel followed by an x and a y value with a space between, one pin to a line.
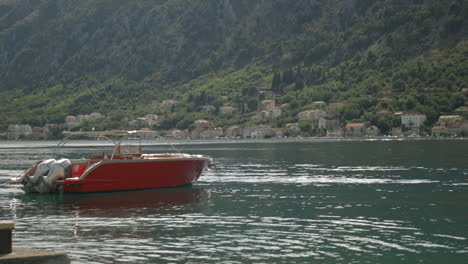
pixel 186 199
pixel 145 202
pixel 102 217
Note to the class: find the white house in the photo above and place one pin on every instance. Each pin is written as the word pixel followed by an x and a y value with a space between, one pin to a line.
pixel 413 120
pixel 16 131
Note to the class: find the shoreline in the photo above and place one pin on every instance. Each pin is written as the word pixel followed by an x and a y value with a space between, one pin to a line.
pixel 166 141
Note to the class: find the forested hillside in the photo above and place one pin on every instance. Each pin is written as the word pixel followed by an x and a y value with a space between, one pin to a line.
pixel 121 58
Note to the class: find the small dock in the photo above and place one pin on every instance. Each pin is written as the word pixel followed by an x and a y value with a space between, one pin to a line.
pixel 10 255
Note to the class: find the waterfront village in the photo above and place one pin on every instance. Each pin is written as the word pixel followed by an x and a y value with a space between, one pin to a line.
pixel 321 119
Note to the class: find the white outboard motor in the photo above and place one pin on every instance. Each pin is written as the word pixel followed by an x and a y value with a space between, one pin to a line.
pixel 46 174
pixel 43 168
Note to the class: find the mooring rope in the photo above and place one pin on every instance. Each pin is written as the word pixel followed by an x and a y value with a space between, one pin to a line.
pixel 11 180
pixel 5 184
pixel 216 170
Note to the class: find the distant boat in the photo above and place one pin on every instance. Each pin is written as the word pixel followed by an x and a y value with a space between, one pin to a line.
pixel 127 168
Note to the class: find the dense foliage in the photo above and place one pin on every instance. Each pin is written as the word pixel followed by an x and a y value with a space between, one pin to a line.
pixel 121 58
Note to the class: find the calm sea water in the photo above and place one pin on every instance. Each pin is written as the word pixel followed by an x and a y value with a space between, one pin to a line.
pixel 316 201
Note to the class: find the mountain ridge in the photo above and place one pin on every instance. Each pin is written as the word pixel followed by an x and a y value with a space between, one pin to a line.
pixel 121 56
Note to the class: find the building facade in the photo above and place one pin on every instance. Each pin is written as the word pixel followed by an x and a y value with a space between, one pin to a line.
pixel 413 120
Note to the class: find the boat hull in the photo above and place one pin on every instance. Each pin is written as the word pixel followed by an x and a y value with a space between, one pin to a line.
pixel 118 175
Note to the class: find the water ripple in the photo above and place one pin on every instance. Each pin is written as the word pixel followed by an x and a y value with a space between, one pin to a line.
pixel 252 209
pixel 306 174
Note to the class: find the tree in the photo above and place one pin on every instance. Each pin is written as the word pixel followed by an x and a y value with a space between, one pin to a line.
pixel 299 85
pixel 252 104
pixel 350 112
pixel 276 83
pixel 305 126
pixel 399 85
pixel 385 123
pixel 456 100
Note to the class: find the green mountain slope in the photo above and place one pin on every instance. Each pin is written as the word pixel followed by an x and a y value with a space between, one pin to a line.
pixel 60 58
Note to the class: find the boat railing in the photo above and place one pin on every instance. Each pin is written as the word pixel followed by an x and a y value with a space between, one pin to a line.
pixel 118 143
pixel 58 148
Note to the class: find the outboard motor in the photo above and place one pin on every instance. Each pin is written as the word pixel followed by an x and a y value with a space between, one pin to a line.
pixel 46 173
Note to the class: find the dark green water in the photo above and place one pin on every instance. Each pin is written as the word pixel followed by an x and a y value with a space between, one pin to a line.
pixel 313 201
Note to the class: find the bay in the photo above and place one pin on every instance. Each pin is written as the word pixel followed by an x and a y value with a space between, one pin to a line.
pixel 288 201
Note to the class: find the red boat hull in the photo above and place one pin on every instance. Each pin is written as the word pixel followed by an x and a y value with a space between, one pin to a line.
pixel 119 175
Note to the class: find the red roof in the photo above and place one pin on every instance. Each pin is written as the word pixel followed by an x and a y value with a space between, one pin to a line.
pixel 355 125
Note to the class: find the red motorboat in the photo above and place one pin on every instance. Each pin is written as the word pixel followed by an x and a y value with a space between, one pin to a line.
pixel 127 168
